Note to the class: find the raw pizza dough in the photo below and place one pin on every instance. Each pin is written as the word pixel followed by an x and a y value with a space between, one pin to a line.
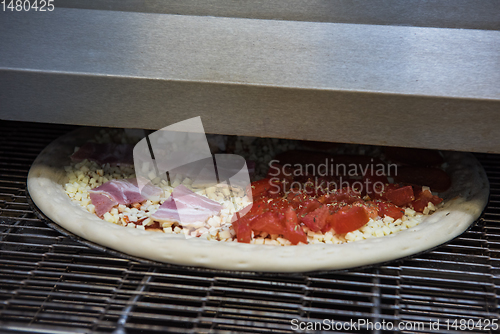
pixel 464 202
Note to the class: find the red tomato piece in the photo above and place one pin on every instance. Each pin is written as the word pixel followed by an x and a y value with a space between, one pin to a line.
pixel 243 231
pixel 316 220
pixel 297 197
pixel 307 206
pixel 389 209
pixel 345 195
pixel 423 198
pixel 419 205
pixel 336 206
pixel 382 191
pixel 293 231
pixel 436 200
pixel 400 196
pixel 371 210
pixel 309 187
pixel 268 222
pixel 278 188
pixel 276 195
pixel 348 219
pixel 278 206
pixel 319 186
pixel 263 187
pixel 326 183
pixel 326 199
pixel 354 184
pixel 427 195
pixel 349 195
pixel 259 206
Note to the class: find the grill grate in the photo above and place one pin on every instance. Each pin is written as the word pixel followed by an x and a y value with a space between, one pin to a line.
pixel 51 284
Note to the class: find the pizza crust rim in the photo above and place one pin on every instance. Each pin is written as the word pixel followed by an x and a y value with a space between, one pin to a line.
pixel 464 202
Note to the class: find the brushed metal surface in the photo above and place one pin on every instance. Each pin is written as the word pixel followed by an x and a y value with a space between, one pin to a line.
pixel 305 80
pixel 463 14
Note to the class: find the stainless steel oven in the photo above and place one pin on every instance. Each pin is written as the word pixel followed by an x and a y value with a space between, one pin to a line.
pixel 415 74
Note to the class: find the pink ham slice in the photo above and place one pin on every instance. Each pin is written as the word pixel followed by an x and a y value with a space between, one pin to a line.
pixel 185 206
pixel 113 154
pixel 125 192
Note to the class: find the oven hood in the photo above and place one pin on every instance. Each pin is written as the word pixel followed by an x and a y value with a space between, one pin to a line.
pixel 328 72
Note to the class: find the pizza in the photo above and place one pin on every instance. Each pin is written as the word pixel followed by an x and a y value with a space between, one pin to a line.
pixel 292 226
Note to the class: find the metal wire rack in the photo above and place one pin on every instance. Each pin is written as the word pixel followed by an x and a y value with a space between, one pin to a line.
pixel 52 284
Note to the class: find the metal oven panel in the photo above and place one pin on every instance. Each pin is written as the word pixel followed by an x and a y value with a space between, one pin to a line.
pixel 355 75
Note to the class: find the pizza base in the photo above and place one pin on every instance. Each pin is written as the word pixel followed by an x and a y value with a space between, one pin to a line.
pixel 463 204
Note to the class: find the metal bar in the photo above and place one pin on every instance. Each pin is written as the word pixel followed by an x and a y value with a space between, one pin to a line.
pixel 465 14
pixel 124 314
pixel 243 76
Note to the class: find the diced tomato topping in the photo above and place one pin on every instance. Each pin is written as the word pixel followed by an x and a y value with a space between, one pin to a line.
pixel 422 199
pixel 345 195
pixel 383 190
pixel 293 231
pixel 268 222
pixel 436 200
pixel 265 204
pixel 264 187
pixel 419 205
pixel 318 186
pixel 243 231
pixel 318 204
pixel 336 206
pixel 371 210
pixel 349 195
pixel 297 197
pixel 316 219
pixel 309 188
pixel 389 209
pixel 259 206
pixel 327 199
pixel 307 206
pixel 326 184
pixel 278 188
pixel 278 205
pixel 400 196
pixel 277 194
pixel 348 219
